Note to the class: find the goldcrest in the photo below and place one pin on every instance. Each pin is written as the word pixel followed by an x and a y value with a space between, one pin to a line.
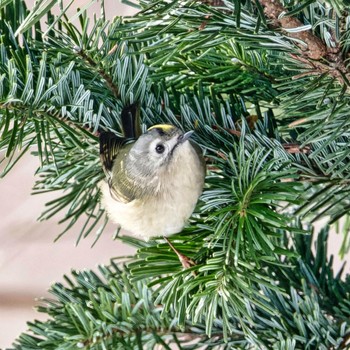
pixel 153 180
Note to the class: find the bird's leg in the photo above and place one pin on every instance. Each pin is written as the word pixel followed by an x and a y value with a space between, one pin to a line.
pixel 185 261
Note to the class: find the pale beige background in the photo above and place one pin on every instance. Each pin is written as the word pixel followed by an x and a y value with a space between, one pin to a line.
pixel 29 260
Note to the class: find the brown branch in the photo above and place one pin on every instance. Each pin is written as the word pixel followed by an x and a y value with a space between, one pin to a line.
pixel 214 3
pixel 345 342
pixel 73 124
pixel 294 148
pixel 315 48
pixel 113 87
pixel 315 54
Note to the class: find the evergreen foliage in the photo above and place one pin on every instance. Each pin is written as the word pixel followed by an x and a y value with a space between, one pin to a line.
pixel 265 85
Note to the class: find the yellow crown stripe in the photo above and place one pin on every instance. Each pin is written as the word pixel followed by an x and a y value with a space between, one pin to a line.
pixel 164 127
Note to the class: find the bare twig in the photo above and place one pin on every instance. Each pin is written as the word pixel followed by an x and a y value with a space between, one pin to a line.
pixel 185 261
pixel 293 148
pixel 345 342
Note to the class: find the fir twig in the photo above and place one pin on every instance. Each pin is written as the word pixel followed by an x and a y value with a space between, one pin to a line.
pixel 275 11
pixel 109 80
pixel 314 53
pixel 278 159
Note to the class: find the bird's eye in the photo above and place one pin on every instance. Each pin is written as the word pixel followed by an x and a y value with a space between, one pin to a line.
pixel 160 148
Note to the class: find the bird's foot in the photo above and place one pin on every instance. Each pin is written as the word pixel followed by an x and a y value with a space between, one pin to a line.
pixel 186 262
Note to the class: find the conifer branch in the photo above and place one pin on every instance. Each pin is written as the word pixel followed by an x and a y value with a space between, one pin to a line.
pixel 187 334
pixel 291 148
pixel 109 80
pixel 277 151
pixel 42 113
pixel 316 55
pixel 275 11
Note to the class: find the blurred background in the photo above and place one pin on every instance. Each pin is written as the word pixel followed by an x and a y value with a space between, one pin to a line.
pixel 30 260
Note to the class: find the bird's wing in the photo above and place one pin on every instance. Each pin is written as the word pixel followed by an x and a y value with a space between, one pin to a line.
pixel 110 145
pixel 123 194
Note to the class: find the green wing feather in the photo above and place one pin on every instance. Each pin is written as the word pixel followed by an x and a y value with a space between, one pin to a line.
pixel 112 147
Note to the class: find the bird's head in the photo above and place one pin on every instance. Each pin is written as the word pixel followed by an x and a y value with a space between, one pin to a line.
pixel 160 146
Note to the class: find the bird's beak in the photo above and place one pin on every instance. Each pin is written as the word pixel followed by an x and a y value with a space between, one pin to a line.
pixel 184 137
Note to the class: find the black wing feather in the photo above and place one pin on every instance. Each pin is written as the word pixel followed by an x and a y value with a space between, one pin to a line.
pixel 130 118
pixel 110 145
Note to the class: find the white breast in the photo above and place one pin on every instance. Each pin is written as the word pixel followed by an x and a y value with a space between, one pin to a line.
pixel 167 212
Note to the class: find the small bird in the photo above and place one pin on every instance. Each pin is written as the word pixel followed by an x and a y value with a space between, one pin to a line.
pixel 153 180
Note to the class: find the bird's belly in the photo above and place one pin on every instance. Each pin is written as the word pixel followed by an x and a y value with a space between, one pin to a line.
pixel 156 216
